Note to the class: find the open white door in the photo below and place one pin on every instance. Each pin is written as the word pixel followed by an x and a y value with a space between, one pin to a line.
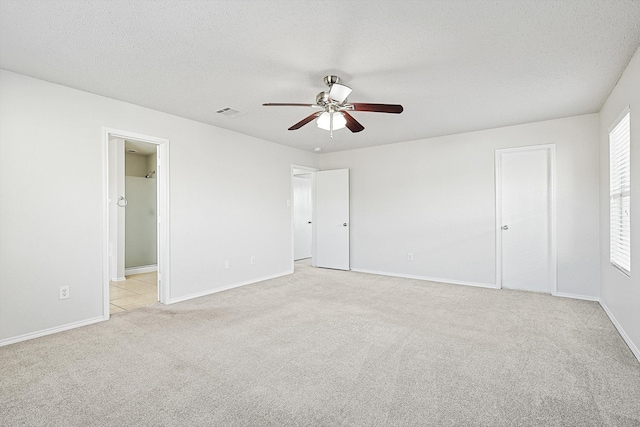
pixel 117 203
pixel 332 219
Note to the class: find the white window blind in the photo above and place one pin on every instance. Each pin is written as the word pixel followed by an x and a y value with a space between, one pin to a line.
pixel 620 193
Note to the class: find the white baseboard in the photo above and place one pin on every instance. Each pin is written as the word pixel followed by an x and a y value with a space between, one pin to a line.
pixel 142 269
pixel 430 279
pixel 226 288
pixel 117 279
pixel 624 335
pixel 53 330
pixel 576 296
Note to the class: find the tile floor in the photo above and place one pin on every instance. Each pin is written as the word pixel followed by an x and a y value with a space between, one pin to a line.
pixel 137 291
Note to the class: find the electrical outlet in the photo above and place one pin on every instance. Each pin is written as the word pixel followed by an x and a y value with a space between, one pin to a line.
pixel 226 265
pixel 253 260
pixel 410 256
pixel 64 292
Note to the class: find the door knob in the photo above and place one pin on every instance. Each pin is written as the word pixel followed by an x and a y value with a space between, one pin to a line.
pixel 505 227
pixel 309 222
pixel 344 225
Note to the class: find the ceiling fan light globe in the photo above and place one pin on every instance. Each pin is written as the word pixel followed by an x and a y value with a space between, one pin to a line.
pixel 339 93
pixel 324 121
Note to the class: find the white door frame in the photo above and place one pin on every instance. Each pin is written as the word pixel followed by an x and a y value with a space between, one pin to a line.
pixel 162 174
pixel 551 150
pixel 313 214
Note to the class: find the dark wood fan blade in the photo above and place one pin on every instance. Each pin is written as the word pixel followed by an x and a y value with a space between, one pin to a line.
pixel 352 124
pixel 305 121
pixel 286 104
pixel 376 108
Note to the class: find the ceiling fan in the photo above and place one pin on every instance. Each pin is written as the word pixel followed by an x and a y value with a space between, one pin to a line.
pixel 334 109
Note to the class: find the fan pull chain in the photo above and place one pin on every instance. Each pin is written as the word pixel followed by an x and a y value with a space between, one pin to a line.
pixel 331 124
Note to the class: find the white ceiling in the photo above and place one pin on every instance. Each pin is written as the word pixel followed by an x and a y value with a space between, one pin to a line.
pixel 455 66
pixel 142 148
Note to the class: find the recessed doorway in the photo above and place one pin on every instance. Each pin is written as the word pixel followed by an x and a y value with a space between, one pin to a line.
pixel 302 214
pixel 136 226
pixel 320 217
pixel 302 244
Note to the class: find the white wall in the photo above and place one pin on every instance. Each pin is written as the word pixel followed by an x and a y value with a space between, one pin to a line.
pixel 620 295
pixel 51 212
pixel 436 199
pixel 135 165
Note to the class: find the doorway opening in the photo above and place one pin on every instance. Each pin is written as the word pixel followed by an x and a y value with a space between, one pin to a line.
pixel 302 213
pixel 320 217
pixel 526 219
pixel 136 226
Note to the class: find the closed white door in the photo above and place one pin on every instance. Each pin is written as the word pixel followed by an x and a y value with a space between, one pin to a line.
pixel 332 219
pixel 302 213
pixel 526 218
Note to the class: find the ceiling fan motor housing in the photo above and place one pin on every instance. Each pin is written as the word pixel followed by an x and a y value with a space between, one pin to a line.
pixel 330 80
pixel 323 98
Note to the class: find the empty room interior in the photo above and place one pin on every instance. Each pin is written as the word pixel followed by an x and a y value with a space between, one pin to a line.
pixel 320 213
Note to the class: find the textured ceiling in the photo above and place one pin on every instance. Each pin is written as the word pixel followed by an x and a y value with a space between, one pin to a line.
pixel 455 66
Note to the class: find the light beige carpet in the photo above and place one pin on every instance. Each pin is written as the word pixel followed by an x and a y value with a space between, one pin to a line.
pixel 331 348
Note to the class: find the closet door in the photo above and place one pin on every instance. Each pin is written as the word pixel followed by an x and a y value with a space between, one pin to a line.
pixel 332 219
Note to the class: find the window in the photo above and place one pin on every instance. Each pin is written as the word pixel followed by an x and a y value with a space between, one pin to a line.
pixel 620 193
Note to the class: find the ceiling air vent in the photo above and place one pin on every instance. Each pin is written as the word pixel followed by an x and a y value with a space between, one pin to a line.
pixel 230 112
